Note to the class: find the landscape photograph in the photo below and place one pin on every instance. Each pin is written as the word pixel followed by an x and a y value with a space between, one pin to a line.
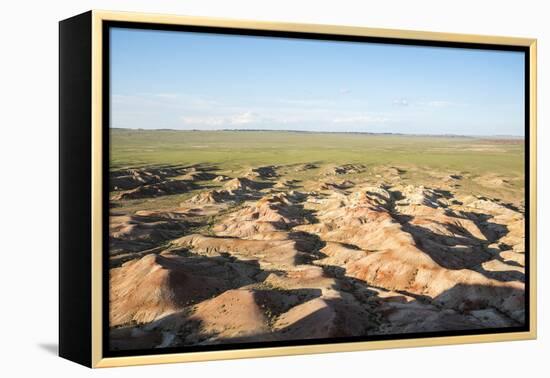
pixel 268 190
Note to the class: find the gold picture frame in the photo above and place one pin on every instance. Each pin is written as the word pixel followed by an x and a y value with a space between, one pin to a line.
pixel 92 25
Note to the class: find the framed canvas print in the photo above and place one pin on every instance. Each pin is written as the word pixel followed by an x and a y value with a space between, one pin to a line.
pixel 235 189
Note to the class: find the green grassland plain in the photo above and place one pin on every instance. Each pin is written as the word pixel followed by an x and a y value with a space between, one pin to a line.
pixel 487 166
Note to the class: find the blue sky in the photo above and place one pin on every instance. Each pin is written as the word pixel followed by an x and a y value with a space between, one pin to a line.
pixel 181 80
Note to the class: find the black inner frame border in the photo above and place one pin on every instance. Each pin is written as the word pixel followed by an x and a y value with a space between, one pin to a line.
pixel 106 27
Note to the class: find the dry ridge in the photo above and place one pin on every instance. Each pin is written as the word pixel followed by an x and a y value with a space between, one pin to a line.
pixel 255 260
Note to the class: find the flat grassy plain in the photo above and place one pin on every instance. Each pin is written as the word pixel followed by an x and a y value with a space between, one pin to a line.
pixel 232 149
pixel 487 166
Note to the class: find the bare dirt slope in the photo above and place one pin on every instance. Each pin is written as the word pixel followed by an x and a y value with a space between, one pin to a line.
pixel 264 255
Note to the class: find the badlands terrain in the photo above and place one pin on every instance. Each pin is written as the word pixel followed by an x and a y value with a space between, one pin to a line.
pixel 235 237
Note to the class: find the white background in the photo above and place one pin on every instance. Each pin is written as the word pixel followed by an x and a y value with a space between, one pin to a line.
pixel 29 186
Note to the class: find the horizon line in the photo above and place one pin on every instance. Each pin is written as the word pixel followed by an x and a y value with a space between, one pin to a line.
pixel 502 136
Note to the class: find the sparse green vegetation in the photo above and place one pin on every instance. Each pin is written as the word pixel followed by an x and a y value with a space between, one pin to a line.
pixel 422 160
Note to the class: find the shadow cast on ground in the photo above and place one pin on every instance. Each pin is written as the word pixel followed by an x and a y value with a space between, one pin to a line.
pixel 51 348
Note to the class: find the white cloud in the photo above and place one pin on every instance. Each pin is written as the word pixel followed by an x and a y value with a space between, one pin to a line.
pixel 401 102
pixel 245 118
pixel 229 120
pixel 439 103
pixel 203 120
pixel 361 119
pixel 183 111
pixel 424 103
